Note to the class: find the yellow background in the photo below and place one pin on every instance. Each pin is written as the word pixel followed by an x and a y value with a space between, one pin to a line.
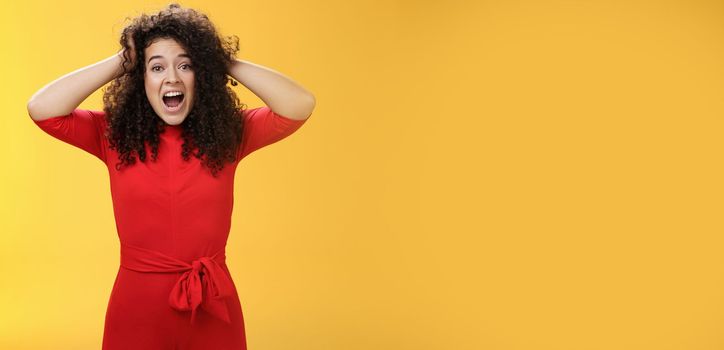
pixel 476 175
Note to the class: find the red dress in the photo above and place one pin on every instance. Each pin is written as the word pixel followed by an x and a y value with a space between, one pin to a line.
pixel 173 289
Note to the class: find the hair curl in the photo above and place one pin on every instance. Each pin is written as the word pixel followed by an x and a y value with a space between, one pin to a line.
pixel 213 126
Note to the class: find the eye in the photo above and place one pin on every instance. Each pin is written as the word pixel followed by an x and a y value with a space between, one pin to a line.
pixel 186 65
pixel 154 67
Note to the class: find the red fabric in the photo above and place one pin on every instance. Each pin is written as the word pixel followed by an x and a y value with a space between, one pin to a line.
pixel 203 282
pixel 174 216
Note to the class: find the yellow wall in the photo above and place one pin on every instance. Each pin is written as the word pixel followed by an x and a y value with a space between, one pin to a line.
pixel 476 175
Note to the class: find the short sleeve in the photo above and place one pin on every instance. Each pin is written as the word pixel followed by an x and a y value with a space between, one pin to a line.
pixel 81 128
pixel 262 127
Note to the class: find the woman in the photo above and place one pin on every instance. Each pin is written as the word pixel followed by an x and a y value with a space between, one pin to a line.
pixel 173 212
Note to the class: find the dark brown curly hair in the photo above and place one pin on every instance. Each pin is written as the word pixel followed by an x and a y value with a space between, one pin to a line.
pixel 213 126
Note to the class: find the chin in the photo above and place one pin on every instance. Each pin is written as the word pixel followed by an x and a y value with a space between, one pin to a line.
pixel 174 120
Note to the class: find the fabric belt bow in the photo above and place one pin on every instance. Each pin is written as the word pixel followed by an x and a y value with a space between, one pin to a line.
pixel 203 283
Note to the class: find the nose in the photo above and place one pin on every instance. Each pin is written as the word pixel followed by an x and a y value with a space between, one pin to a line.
pixel 172 77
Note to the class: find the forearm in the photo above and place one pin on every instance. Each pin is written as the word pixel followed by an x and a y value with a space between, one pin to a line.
pixel 283 95
pixel 63 95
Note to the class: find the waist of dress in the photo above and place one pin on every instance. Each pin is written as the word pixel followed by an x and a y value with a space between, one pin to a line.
pixel 204 283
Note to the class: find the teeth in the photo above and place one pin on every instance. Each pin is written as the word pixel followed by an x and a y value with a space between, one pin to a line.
pixel 172 93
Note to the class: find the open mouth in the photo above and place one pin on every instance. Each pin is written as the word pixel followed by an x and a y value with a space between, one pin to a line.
pixel 173 103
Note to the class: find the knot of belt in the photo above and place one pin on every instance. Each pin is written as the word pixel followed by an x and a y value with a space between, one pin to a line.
pixel 203 282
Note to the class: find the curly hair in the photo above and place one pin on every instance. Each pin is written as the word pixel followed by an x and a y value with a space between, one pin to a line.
pixel 213 126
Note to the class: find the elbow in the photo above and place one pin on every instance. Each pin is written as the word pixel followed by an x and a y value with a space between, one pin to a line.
pixel 310 97
pixel 300 109
pixel 312 101
pixel 31 108
pixel 33 112
pixel 310 104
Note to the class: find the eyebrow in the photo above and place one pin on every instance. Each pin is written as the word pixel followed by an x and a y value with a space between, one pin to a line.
pixel 159 56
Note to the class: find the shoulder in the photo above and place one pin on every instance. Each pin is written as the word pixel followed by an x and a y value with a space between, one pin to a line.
pixel 98 115
pixel 99 118
pixel 248 113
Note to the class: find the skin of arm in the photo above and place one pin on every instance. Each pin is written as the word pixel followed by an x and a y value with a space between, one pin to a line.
pixel 63 95
pixel 280 93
